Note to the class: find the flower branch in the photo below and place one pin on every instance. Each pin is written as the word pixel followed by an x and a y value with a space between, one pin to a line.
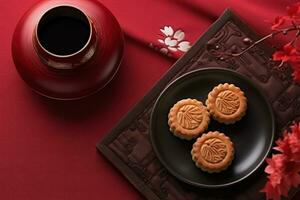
pixel 271 35
pixel 290 52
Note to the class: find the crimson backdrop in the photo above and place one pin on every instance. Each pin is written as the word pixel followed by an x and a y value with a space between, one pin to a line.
pixel 47 148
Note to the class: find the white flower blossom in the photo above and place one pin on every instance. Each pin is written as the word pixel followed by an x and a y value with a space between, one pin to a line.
pixel 173 41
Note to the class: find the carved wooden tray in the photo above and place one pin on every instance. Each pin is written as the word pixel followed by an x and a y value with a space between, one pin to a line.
pixel 128 145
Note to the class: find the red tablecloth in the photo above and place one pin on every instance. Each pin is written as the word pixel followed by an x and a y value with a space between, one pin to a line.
pixel 47 148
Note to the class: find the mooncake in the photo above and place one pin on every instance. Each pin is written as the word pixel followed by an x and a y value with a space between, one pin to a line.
pixel 188 119
pixel 213 152
pixel 226 103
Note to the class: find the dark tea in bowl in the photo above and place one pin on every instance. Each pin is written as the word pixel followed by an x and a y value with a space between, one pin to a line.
pixel 67 49
pixel 64 30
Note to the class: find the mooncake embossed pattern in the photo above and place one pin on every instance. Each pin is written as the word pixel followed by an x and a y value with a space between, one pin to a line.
pixel 227 103
pixel 213 152
pixel 188 118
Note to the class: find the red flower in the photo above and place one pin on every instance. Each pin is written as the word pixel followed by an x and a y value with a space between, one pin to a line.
pixel 296 71
pixel 289 53
pixel 275 168
pixel 293 16
pixel 292 177
pixel 271 192
pixel 284 168
pixel 296 75
pixel 278 22
pixel 293 10
pixel 283 145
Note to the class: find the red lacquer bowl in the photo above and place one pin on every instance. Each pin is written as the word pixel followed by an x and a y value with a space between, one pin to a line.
pixel 74 65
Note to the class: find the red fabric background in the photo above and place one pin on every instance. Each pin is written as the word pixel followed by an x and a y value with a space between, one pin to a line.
pixel 47 148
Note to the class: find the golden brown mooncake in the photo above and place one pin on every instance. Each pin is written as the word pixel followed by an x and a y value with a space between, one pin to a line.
pixel 213 152
pixel 226 103
pixel 188 118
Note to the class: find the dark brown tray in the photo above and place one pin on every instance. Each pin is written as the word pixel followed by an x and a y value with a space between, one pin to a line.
pixel 128 146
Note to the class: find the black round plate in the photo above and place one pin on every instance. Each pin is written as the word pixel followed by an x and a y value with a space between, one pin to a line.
pixel 252 136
